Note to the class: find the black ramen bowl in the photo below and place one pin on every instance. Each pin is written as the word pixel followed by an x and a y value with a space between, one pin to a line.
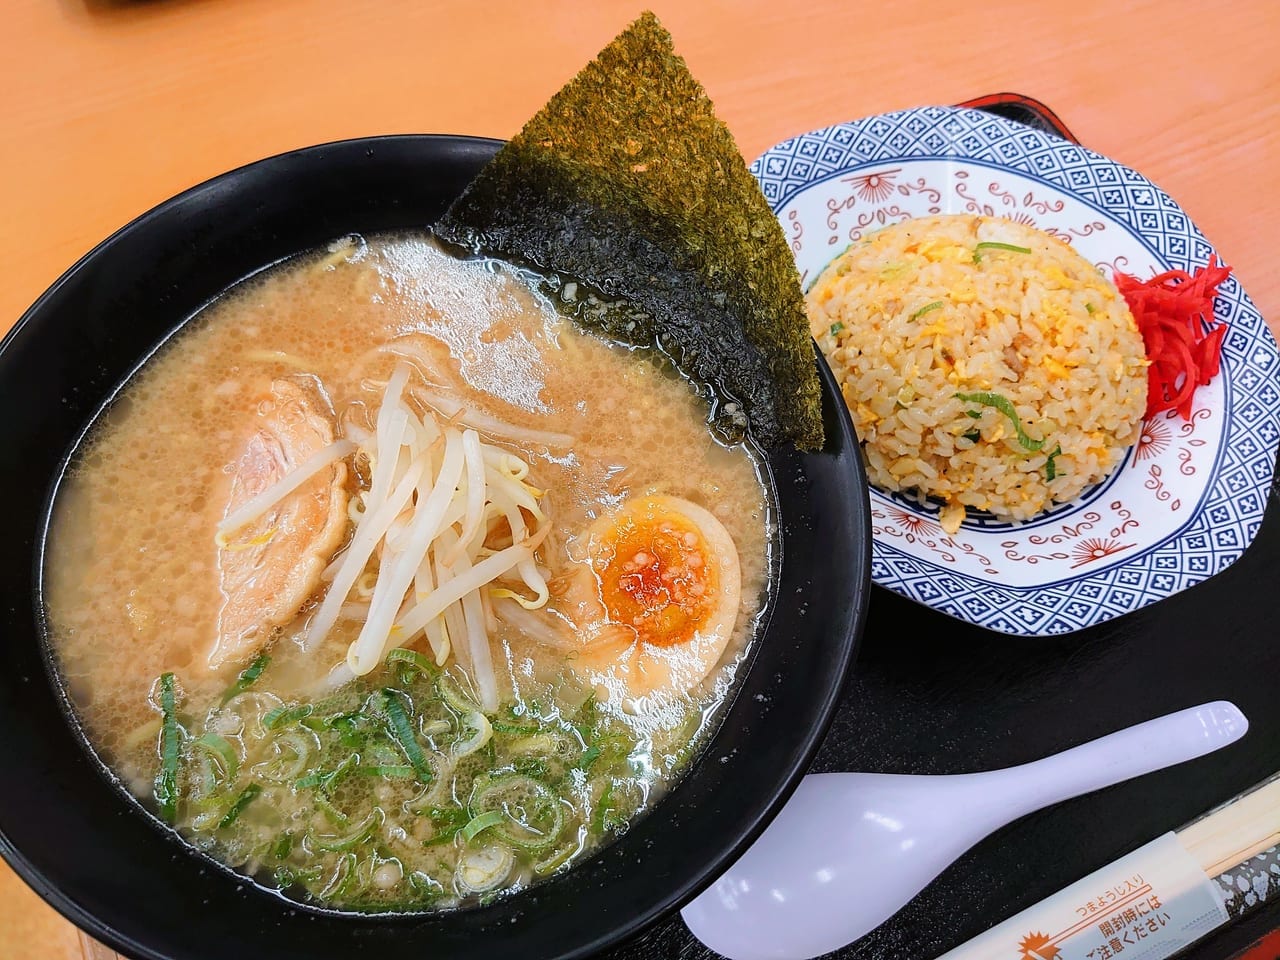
pixel 94 853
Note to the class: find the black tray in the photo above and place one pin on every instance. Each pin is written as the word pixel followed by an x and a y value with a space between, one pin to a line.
pixel 930 694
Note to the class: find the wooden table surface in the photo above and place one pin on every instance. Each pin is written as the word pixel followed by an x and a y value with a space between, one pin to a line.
pixel 107 108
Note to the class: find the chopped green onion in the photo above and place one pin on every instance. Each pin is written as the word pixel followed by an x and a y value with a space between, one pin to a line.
pixel 340 881
pixel 536 816
pixel 535 767
pixel 428 889
pixel 340 771
pixel 1050 467
pixel 588 717
pixel 482 822
pixel 346 724
pixel 382 753
pixel 334 815
pixel 453 696
pixel 388 771
pixel 994 245
pixel 401 731
pixel 975 414
pixel 1090 308
pixel 325 781
pixel 247 676
pixel 283 847
pixel 936 305
pixel 445 816
pixel 246 797
pixel 603 820
pixel 448 823
pixel 836 328
pixel 555 860
pixel 358 835
pixel 1005 406
pixel 513 728
pixel 224 752
pixel 610 749
pixel 480 737
pixel 166 789
pixel 348 727
pixel 535 839
pixel 973 436
pixel 412 660
pixel 282 716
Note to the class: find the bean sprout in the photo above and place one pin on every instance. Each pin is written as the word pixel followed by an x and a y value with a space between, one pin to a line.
pixel 431 537
pixel 478 420
pixel 256 506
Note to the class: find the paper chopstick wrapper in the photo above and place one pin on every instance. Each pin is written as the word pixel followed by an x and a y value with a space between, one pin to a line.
pixel 1147 905
pixel 1155 901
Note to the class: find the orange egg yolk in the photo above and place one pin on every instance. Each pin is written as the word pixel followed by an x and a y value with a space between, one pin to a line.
pixel 655 576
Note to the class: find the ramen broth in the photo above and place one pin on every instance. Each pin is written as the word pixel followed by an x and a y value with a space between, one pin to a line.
pixel 411 786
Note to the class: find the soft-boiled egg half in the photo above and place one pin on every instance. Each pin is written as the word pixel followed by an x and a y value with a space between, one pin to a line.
pixel 655 596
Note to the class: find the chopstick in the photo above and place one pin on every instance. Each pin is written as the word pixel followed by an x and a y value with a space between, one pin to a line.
pixel 1236 831
pixel 1166 895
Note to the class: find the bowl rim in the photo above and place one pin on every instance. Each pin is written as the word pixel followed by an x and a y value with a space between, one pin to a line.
pixel 805 744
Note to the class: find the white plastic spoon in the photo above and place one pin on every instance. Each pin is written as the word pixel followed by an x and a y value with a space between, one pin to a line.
pixel 850 849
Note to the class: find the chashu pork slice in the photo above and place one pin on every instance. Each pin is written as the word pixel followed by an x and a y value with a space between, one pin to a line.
pixel 271 566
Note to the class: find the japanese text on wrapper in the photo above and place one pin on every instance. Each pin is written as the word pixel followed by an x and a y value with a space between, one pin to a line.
pixel 1129 927
pixel 1108 898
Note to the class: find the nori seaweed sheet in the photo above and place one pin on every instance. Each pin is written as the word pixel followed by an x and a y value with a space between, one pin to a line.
pixel 627 183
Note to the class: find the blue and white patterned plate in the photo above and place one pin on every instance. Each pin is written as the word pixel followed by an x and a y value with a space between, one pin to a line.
pixel 1189 497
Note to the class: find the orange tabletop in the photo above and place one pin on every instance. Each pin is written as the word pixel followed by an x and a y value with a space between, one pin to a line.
pixel 108 107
